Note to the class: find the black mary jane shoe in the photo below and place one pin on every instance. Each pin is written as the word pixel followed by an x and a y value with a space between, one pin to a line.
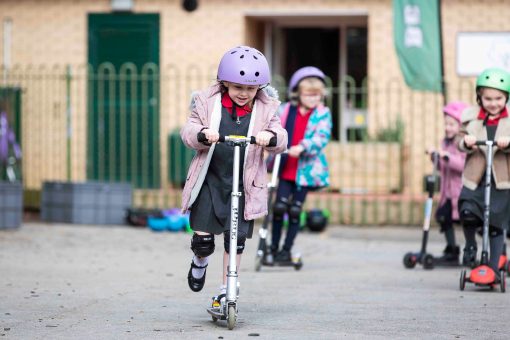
pixel 194 284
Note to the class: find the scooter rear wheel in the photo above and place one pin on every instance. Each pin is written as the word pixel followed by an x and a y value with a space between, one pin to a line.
pixel 409 260
pixel 231 317
pixel 462 279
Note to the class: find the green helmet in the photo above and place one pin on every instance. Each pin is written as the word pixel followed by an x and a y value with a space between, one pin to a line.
pixel 495 78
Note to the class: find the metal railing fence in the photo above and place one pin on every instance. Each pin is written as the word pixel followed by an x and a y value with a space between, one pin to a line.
pixel 80 123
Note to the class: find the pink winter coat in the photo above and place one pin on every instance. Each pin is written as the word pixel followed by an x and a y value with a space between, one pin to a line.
pixel 206 112
pixel 451 176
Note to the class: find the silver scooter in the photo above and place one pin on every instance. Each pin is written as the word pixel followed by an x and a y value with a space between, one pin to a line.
pixel 228 307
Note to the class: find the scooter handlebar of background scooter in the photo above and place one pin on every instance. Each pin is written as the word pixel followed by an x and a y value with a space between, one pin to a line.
pixel 252 140
pixel 484 142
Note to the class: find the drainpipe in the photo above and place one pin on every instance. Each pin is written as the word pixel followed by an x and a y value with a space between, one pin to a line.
pixel 6 42
pixel 68 122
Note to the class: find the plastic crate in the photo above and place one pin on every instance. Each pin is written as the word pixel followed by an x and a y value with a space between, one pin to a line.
pixel 85 202
pixel 11 205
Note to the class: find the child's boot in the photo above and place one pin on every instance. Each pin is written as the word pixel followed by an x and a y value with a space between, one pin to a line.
pixel 450 257
pixel 219 300
pixel 469 258
pixel 283 256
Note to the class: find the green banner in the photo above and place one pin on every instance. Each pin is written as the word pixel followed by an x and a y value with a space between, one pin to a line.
pixel 418 43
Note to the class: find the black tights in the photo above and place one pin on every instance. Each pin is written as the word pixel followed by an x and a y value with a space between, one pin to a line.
pixel 294 194
pixel 496 245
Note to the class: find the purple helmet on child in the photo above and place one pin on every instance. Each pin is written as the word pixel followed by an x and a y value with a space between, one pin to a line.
pixel 302 73
pixel 244 65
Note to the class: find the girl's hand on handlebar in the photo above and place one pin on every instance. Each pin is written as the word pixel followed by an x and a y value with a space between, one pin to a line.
pixel 503 142
pixel 430 151
pixel 469 140
pixel 263 138
pixel 211 135
pixel 295 151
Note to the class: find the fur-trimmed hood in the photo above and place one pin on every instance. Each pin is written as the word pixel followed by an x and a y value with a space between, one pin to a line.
pixel 266 94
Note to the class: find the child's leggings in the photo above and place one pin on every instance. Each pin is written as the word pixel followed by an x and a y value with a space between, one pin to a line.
pixel 496 238
pixel 444 218
pixel 289 199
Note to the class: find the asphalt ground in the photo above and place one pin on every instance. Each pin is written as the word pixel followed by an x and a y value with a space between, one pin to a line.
pixel 101 282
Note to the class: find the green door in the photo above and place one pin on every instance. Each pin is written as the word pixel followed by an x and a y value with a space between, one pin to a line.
pixel 123 99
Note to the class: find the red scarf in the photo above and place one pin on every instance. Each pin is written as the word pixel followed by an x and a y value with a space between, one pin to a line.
pixel 491 122
pixel 227 102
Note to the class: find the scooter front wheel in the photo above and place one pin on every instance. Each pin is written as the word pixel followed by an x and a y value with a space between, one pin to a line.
pixel 462 280
pixel 409 260
pixel 231 317
pixel 258 263
pixel 502 282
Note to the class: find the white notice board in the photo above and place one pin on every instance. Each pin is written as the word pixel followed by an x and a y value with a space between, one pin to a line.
pixel 477 51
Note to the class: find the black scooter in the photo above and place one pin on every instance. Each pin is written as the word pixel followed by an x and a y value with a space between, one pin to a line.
pixel 422 257
pixel 264 257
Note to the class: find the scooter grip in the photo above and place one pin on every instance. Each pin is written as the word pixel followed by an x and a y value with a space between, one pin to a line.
pixel 272 141
pixel 201 137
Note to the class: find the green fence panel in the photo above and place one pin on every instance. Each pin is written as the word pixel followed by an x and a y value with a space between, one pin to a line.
pixel 179 158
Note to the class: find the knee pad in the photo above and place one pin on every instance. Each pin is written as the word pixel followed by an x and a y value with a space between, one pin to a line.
pixel 202 245
pixel 469 219
pixel 280 208
pixel 295 212
pixel 241 240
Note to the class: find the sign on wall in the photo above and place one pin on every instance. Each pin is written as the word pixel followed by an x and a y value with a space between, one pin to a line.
pixel 477 51
pixel 417 41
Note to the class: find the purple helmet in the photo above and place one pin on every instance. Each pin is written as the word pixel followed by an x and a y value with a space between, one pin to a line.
pixel 244 65
pixel 302 73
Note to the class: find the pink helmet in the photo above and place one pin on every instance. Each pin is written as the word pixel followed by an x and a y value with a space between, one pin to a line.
pixel 244 65
pixel 454 109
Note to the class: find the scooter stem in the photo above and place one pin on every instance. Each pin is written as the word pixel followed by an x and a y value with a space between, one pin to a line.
pixel 276 168
pixel 486 210
pixel 234 218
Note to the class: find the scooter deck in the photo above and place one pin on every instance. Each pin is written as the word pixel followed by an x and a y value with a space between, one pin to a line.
pixel 217 313
pixel 296 264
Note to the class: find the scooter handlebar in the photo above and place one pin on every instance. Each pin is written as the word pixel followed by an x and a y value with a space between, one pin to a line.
pixel 252 140
pixel 484 142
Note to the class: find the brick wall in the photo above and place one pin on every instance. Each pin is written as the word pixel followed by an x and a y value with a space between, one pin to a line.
pixel 54 32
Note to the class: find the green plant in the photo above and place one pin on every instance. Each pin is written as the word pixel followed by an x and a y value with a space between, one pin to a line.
pixel 392 133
